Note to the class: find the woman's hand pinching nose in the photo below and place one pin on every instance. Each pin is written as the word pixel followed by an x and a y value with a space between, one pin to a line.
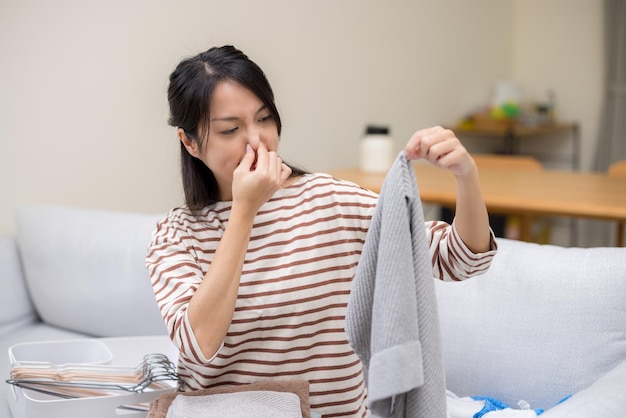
pixel 253 154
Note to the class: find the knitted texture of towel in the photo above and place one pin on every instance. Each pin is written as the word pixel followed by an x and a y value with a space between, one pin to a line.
pixel 160 406
pixel 247 404
pixel 392 319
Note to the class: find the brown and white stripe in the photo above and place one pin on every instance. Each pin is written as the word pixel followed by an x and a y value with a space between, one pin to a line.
pixel 289 317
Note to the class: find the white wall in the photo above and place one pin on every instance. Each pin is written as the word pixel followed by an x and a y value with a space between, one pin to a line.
pixel 82 83
pixel 558 44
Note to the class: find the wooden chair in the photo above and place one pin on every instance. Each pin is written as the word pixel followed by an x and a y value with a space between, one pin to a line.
pixel 507 161
pixel 619 169
pixel 517 162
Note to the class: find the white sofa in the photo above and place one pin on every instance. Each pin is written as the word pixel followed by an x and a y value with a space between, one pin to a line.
pixel 545 322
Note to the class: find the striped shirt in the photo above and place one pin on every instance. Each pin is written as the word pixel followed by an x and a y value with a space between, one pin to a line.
pixel 294 288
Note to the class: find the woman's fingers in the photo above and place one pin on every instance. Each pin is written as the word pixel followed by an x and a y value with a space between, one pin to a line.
pixel 419 145
pixel 259 175
pixel 268 163
pixel 441 148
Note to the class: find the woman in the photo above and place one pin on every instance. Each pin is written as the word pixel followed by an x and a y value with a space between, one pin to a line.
pixel 252 275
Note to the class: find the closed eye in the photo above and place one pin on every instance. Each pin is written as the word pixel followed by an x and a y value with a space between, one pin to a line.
pixel 266 118
pixel 229 131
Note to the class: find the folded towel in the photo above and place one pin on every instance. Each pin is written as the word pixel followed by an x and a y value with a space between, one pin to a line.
pixel 247 404
pixel 160 406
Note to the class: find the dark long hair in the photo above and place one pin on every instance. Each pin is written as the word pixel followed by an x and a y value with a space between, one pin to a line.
pixel 189 95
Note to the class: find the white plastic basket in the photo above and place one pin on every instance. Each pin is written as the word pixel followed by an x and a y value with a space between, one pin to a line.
pixel 26 403
pixel 88 351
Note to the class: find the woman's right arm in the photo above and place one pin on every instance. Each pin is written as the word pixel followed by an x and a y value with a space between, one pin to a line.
pixel 211 308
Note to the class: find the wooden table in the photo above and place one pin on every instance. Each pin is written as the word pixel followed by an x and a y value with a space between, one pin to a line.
pixel 520 192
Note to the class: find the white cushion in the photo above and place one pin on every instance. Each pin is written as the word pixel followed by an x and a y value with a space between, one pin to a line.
pixel 543 323
pixel 86 272
pixel 605 398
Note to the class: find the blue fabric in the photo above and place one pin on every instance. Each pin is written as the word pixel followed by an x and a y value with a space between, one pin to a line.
pixel 494 405
pixel 490 405
pixel 565 398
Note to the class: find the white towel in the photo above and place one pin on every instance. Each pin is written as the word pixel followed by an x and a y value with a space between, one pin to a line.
pixel 249 404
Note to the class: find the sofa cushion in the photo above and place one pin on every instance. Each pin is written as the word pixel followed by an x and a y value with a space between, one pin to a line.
pixel 16 309
pixel 605 398
pixel 544 322
pixel 85 269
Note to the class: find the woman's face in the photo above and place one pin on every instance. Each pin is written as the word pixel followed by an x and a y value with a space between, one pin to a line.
pixel 237 117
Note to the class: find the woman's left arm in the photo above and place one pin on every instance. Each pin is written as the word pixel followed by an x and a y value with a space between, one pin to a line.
pixel 443 149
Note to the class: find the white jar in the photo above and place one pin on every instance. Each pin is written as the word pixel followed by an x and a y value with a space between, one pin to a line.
pixel 376 150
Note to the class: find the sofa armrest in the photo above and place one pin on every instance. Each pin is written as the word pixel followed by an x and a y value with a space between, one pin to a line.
pixel 542 323
pixel 16 308
pixel 605 398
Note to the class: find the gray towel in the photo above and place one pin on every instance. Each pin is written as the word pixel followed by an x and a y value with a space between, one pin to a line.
pixel 392 320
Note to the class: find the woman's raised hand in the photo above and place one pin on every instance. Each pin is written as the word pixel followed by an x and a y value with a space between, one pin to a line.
pixel 259 175
pixel 441 148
